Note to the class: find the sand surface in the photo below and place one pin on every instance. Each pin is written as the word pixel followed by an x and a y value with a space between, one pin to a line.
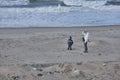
pixel 41 54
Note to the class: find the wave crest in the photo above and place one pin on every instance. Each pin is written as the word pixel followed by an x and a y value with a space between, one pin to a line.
pixel 111 2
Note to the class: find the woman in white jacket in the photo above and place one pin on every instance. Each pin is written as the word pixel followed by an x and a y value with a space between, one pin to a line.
pixel 85 40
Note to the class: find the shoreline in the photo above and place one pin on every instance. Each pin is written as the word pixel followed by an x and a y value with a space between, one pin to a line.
pixel 61 27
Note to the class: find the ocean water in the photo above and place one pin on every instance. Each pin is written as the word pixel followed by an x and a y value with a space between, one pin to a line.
pixel 59 13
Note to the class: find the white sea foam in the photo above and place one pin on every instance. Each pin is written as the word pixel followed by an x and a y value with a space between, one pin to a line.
pixel 13 2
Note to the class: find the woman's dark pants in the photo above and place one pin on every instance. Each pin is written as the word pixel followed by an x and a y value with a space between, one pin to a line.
pixel 86 47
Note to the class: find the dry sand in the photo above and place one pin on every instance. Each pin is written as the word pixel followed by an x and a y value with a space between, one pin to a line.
pixel 41 54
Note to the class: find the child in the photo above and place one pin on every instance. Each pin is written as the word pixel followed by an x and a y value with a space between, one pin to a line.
pixel 70 43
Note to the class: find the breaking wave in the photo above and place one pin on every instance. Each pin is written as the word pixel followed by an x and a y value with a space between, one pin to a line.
pixel 111 2
pixel 30 3
pixel 36 3
pixel 47 2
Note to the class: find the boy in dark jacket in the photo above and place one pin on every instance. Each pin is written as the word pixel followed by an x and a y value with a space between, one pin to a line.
pixel 70 43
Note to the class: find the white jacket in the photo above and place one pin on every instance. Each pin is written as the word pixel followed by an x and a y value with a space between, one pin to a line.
pixel 86 36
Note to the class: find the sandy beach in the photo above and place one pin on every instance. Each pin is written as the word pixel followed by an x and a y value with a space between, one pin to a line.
pixel 41 54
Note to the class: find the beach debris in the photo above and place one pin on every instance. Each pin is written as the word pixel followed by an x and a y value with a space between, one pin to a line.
pixel 40 74
pixel 78 74
pixel 99 54
pixel 104 64
pixel 80 63
pixel 39 69
pixel 50 72
pixel 15 77
pixel 34 68
pixel 61 65
pixel 60 68
pixel 67 68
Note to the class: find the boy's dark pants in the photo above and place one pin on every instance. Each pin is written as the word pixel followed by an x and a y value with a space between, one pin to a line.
pixel 86 47
pixel 69 46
